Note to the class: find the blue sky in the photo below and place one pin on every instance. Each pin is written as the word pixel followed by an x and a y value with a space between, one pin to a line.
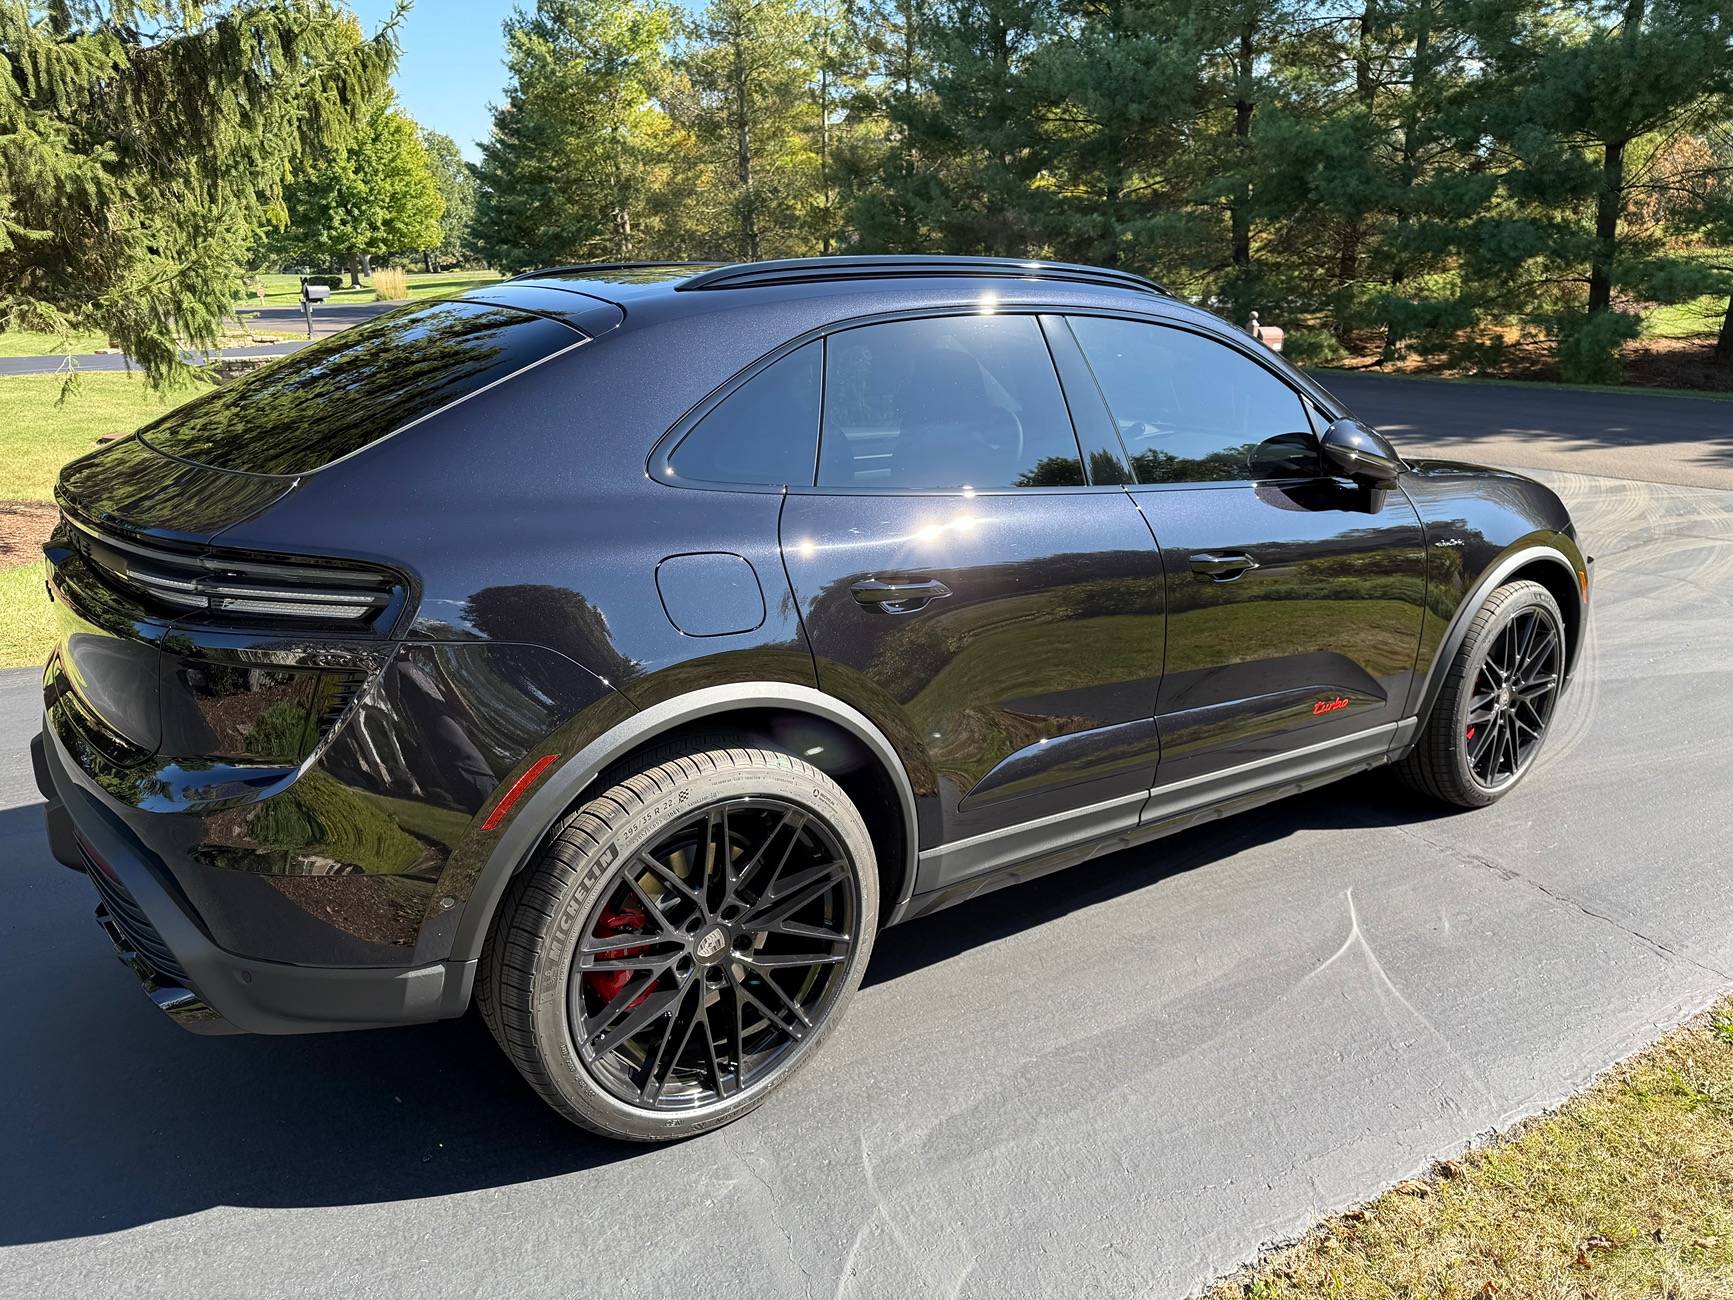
pixel 452 67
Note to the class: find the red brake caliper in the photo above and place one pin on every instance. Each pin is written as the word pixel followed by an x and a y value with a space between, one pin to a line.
pixel 606 984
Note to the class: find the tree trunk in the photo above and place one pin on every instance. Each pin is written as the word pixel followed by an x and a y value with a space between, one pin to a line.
pixel 354 270
pixel 1724 344
pixel 1239 213
pixel 367 264
pixel 1611 199
pixel 824 140
pixel 1607 206
pixel 743 158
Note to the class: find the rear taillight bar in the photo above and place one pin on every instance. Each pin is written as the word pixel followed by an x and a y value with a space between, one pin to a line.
pixel 220 584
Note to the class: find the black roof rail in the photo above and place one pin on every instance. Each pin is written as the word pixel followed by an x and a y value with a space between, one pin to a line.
pixel 796 270
pixel 577 268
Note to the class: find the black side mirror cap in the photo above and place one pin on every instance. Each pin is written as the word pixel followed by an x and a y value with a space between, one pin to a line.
pixel 1360 452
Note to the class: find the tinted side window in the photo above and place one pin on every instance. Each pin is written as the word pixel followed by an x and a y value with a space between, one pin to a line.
pixel 764 432
pixel 952 401
pixel 1190 409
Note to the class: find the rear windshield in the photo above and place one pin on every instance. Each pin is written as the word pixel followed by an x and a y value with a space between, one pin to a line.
pixel 342 393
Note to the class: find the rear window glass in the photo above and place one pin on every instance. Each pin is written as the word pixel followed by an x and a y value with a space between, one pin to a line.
pixel 338 395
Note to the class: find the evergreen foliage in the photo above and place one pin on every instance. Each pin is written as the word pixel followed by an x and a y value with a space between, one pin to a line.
pixel 580 144
pixel 1393 174
pixel 145 143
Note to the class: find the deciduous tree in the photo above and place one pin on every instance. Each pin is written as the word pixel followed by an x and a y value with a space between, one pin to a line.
pixel 374 193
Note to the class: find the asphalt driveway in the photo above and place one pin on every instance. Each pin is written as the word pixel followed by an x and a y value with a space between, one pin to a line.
pixel 1119 1080
pixel 327 320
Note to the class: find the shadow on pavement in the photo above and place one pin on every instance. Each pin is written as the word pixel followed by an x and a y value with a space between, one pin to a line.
pixel 115 1118
pixel 1459 417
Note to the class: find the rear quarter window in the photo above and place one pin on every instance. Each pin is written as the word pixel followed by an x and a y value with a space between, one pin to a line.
pixel 764 433
pixel 334 397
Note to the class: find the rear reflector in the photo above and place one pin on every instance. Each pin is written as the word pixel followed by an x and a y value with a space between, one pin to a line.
pixel 517 789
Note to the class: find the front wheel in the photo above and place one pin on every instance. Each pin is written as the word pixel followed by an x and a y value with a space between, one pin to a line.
pixel 1488 722
pixel 688 939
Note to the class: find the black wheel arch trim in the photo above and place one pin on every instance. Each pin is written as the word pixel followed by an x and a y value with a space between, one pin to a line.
pixel 524 834
pixel 1557 549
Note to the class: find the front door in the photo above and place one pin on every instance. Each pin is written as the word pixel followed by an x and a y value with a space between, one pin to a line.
pixel 962 584
pixel 1294 598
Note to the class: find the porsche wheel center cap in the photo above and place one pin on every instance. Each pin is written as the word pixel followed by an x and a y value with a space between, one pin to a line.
pixel 711 945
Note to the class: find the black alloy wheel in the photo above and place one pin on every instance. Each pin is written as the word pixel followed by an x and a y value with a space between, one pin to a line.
pixel 1497 701
pixel 1513 696
pixel 686 941
pixel 715 953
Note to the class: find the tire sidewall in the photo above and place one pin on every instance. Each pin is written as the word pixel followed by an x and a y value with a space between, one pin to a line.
pixel 798 784
pixel 1531 596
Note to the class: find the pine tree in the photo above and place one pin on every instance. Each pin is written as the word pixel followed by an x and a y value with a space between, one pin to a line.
pixel 1370 175
pixel 143 143
pixel 881 173
pixel 569 170
pixel 977 131
pixel 1119 87
pixel 1576 102
pixel 748 67
pixel 841 61
pixel 1244 47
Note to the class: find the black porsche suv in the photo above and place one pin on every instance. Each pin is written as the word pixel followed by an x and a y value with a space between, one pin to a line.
pixel 621 647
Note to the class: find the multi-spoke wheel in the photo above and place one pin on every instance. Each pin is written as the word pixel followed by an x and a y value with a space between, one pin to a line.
pixel 1497 701
pixel 685 941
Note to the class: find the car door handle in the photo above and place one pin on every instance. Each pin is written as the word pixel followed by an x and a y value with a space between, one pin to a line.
pixel 1220 567
pixel 899 596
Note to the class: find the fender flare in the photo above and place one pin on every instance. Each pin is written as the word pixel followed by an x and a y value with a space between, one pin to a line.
pixel 563 785
pixel 1489 582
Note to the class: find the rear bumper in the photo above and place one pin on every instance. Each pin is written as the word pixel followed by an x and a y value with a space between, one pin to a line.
pixel 199 985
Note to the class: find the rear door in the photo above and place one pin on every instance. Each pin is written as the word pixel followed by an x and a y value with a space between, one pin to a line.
pixel 1294 597
pixel 964 585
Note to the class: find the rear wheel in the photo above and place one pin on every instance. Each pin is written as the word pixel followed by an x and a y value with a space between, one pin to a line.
pixel 687 939
pixel 1492 715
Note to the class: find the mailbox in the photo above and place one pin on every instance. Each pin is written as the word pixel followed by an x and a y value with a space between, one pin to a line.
pixel 1270 336
pixel 314 292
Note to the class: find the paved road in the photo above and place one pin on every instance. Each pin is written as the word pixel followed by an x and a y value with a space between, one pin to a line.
pixel 1119 1080
pixel 326 321
pixel 328 318
pixel 119 361
pixel 1631 435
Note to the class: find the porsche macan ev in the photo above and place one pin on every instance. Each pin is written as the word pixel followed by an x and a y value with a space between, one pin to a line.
pixel 620 648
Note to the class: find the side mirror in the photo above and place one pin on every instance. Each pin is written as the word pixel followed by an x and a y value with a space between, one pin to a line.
pixel 1287 455
pixel 1360 452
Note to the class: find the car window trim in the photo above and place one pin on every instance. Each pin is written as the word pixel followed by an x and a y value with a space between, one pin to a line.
pixel 1070 339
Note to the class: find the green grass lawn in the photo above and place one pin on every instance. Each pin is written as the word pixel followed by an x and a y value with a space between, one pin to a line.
pixel 25 631
pixel 37 437
pixel 1626 1191
pixel 285 290
pixel 1687 320
pixel 33 343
